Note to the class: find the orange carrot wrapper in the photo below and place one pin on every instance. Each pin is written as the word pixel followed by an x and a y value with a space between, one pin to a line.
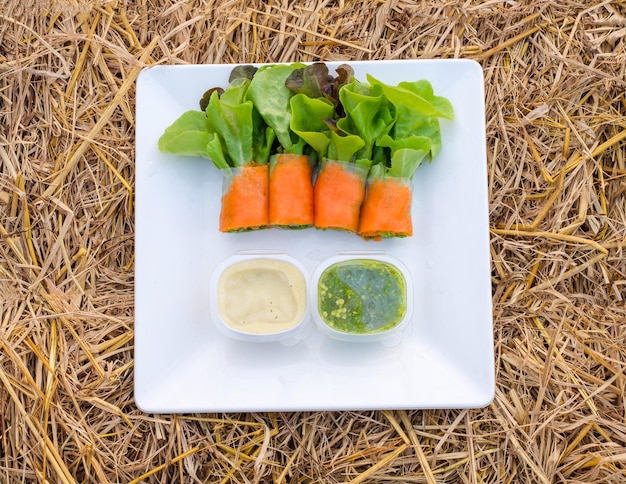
pixel 291 191
pixel 386 210
pixel 338 193
pixel 245 198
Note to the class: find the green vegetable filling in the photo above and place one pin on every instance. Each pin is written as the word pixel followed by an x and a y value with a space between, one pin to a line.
pixel 362 296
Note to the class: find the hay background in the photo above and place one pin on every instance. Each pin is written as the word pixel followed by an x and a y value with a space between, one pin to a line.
pixel 556 120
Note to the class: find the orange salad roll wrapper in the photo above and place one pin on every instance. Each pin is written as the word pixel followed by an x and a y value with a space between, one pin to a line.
pixel 291 191
pixel 386 209
pixel 245 199
pixel 338 193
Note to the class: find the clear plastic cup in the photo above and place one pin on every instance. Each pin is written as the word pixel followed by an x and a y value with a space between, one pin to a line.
pixel 260 296
pixel 362 297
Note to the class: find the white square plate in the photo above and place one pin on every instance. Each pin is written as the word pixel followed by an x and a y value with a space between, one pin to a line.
pixel 183 364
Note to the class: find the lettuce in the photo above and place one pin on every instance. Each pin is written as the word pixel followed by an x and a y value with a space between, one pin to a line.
pixel 308 121
pixel 417 110
pixel 271 97
pixel 187 136
pixel 230 132
pixel 369 114
pixel 406 155
pixel 303 108
pixel 315 82
pixel 312 121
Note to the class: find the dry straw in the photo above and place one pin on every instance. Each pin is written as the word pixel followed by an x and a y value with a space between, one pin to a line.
pixel 555 77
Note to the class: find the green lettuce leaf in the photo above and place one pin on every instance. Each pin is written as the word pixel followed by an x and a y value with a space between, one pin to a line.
pixel 311 121
pixel 369 114
pixel 230 117
pixel 417 110
pixel 187 136
pixel 346 148
pixel 308 117
pixel 424 89
pixel 230 132
pixel 406 155
pixel 262 139
pixel 271 97
pixel 216 152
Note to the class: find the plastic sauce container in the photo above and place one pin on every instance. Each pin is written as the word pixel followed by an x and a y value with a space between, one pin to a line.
pixel 362 297
pixel 260 297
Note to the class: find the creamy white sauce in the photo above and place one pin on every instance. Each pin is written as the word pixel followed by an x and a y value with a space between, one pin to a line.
pixel 261 296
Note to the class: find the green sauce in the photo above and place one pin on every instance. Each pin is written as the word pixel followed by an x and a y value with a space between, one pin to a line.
pixel 362 296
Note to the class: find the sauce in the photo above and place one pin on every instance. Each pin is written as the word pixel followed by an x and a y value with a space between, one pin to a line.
pixel 362 296
pixel 261 296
